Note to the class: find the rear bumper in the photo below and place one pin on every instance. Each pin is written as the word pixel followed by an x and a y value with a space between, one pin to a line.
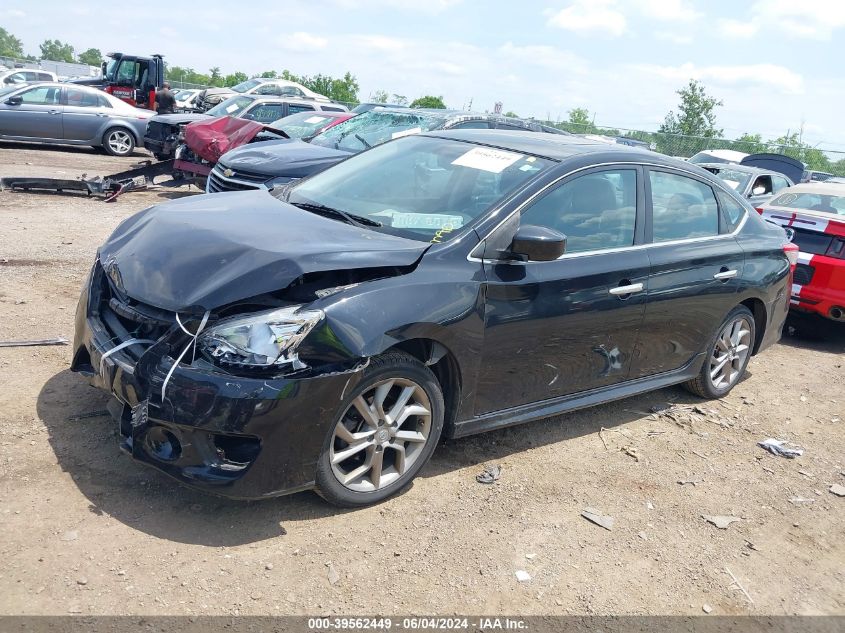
pixel 824 294
pixel 237 437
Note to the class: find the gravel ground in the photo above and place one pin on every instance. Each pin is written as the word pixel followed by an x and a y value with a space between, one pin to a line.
pixel 88 531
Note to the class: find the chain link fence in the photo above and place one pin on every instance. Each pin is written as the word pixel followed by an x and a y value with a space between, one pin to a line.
pixel 682 146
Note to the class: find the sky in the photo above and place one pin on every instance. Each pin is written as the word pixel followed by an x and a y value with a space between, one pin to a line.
pixel 776 64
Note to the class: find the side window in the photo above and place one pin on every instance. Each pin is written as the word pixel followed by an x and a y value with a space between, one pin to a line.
pixel 780 183
pixel 31 76
pixel 762 186
pixel 509 126
pixel 682 208
pixel 16 78
pixel 266 89
pixel 595 211
pixel 81 98
pixel 471 125
pixel 42 95
pixel 45 77
pixel 127 72
pixel 732 211
pixel 103 102
pixel 293 108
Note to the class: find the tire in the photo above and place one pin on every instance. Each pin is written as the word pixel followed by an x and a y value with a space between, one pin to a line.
pixel 119 141
pixel 415 430
pixel 728 353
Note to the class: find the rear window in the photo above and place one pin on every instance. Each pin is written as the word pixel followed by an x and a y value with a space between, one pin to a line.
pixel 824 203
pixel 811 241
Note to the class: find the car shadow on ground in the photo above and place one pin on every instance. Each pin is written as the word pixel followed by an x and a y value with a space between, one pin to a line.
pixel 148 501
pixel 816 333
pixel 73 149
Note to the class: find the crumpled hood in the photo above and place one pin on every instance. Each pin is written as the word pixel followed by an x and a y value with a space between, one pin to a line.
pixel 284 157
pixel 208 251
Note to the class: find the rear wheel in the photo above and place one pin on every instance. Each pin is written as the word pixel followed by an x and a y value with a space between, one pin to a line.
pixel 727 355
pixel 118 142
pixel 387 430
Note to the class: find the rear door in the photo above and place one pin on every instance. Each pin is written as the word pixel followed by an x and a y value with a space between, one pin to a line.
pixel 265 112
pixel 84 114
pixel 37 117
pixel 565 326
pixel 696 267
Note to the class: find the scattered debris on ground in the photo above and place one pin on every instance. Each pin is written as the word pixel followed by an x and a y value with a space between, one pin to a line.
pixel 522 576
pixel 838 490
pixel 490 474
pixel 721 522
pixel 593 515
pixel 34 342
pixel 780 448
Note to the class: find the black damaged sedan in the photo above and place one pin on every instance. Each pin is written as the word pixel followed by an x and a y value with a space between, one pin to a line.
pixel 326 335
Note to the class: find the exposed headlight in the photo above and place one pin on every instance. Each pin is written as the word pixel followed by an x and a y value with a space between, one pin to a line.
pixel 263 339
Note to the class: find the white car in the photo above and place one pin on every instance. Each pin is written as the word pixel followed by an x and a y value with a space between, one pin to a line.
pixel 718 156
pixel 210 97
pixel 25 75
pixel 186 98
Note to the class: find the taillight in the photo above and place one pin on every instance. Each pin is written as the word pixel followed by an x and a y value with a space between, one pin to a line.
pixel 759 210
pixel 836 248
pixel 791 252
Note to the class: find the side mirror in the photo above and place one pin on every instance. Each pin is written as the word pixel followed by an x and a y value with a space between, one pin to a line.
pixel 103 68
pixel 759 190
pixel 14 101
pixel 537 243
pixel 790 233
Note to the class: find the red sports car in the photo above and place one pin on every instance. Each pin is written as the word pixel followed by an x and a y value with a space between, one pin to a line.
pixel 816 213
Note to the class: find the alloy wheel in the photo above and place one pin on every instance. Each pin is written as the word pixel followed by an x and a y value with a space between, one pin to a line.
pixel 119 142
pixel 730 353
pixel 380 435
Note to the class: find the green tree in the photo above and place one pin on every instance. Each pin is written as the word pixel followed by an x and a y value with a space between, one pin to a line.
pixel 580 116
pixel 791 145
pixel 186 75
pixel 215 78
pixel 696 113
pixel 428 101
pixel 10 46
pixel 235 78
pixel 57 51
pixel 512 113
pixel 400 99
pixel 92 57
pixel 749 143
pixel 343 89
pixel 269 74
pixel 379 96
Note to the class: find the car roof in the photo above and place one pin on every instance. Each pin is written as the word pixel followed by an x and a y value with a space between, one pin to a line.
pixel 454 116
pixel 821 188
pixel 555 146
pixel 737 167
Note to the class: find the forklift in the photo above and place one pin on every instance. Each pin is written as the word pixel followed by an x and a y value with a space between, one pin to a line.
pixel 132 78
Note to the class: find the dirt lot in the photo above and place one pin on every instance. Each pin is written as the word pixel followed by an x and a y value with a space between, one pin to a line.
pixel 85 530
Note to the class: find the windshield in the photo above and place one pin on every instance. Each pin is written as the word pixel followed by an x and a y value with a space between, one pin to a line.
pixel 302 124
pixel 421 188
pixel 233 106
pixel 375 127
pixel 736 180
pixel 110 69
pixel 823 202
pixel 8 89
pixel 247 85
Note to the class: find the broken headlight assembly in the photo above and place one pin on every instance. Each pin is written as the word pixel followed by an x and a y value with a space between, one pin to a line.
pixel 259 340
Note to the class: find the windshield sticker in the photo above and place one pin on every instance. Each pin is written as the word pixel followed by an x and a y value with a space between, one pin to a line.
pixel 431 221
pixel 231 107
pixel 413 130
pixel 438 237
pixel 487 159
pixel 733 184
pixel 315 119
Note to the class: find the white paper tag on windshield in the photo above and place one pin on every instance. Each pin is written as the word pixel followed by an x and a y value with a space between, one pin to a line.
pixel 432 221
pixel 231 107
pixel 413 130
pixel 487 159
pixel 315 119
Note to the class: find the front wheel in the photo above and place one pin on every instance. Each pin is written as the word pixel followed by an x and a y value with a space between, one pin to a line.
pixel 387 430
pixel 727 355
pixel 118 142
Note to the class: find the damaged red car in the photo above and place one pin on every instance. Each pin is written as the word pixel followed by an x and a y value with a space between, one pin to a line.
pixel 327 334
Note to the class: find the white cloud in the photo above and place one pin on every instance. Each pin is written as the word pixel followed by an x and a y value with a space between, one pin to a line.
pixel 739 29
pixel 587 16
pixel 544 56
pixel 779 78
pixel 301 41
pixel 675 38
pixel 420 6
pixel 13 13
pixel 379 42
pixel 669 10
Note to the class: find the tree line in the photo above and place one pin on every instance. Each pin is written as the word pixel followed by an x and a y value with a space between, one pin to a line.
pixel 684 132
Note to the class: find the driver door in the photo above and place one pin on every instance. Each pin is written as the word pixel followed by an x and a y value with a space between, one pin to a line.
pixel 38 116
pixel 569 325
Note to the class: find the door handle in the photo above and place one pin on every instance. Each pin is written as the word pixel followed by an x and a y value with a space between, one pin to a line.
pixel 626 290
pixel 724 274
pixel 54 111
